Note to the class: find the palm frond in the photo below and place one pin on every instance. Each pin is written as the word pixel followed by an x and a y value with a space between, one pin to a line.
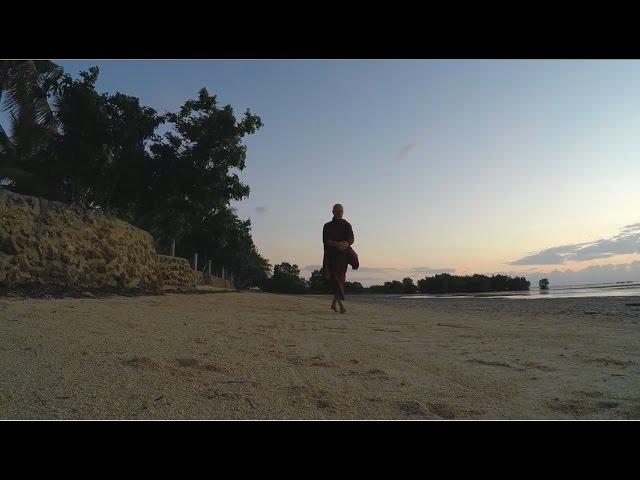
pixel 26 85
pixel 7 158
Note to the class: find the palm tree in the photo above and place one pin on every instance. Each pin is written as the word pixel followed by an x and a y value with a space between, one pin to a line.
pixel 24 89
pixel 25 86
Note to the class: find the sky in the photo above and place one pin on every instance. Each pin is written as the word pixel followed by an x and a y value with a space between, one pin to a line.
pixel 519 167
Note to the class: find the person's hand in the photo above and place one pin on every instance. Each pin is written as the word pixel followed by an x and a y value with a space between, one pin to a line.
pixel 343 245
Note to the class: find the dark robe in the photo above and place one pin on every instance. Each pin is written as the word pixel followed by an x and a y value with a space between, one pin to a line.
pixel 334 263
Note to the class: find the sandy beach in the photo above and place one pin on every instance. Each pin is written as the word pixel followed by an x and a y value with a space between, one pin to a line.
pixel 245 355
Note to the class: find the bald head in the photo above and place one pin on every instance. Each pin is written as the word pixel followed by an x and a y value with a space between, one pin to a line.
pixel 338 211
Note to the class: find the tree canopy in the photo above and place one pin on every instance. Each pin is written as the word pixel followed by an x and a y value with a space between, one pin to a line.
pixel 286 279
pixel 102 151
pixel 446 283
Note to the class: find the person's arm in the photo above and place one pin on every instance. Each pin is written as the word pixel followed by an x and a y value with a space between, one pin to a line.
pixel 350 237
pixel 327 241
pixel 325 238
pixel 345 244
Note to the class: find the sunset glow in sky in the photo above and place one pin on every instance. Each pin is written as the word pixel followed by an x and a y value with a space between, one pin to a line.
pixel 460 166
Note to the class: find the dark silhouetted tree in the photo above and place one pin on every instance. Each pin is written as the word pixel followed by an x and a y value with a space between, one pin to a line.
pixel 193 168
pixel 408 286
pixel 25 86
pixel 447 283
pixel 101 151
pixel 393 287
pixel 317 282
pixel 285 279
pixel 354 287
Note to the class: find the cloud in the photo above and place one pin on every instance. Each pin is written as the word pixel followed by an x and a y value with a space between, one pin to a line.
pixel 261 210
pixel 406 150
pixel 405 271
pixel 609 273
pixel 378 269
pixel 629 229
pixel 310 268
pixel 625 242
pixel 431 271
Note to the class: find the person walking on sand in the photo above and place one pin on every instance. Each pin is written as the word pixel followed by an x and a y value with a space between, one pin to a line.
pixel 337 237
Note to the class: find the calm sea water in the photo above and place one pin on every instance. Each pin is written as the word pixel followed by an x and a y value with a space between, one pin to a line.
pixel 593 290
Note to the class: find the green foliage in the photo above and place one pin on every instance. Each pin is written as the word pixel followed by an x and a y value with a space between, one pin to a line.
pixel 285 279
pixel 393 287
pixel 543 284
pixel 226 240
pixel 408 287
pixel 101 159
pixel 317 283
pixel 446 283
pixel 25 86
pixel 101 151
pixel 354 287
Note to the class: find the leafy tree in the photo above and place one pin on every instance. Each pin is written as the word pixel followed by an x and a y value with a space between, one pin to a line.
pixel 393 287
pixel 129 168
pixel 543 284
pixel 354 287
pixel 101 160
pixel 317 282
pixel 25 86
pixel 286 269
pixel 25 155
pixel 193 163
pixel 446 283
pixel 80 152
pixel 101 151
pixel 285 279
pixel 226 240
pixel 95 157
pixel 408 286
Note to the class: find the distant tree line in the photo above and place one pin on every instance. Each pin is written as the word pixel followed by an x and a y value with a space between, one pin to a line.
pixel 286 279
pixel 67 142
pixel 446 283
pixel 406 286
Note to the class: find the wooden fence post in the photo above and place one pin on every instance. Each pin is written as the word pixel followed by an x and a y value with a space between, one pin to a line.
pixel 173 248
pixel 195 262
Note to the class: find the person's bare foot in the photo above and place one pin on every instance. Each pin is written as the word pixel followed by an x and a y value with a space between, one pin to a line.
pixel 342 309
pixel 333 307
